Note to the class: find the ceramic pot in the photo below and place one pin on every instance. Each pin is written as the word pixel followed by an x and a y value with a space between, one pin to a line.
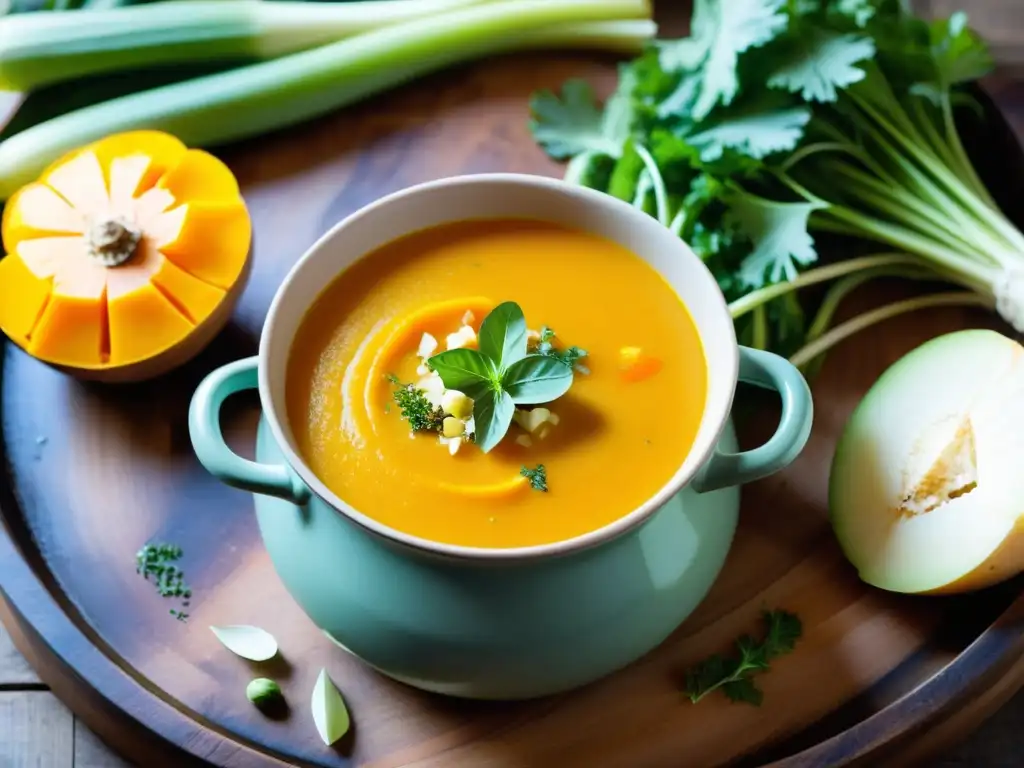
pixel 500 623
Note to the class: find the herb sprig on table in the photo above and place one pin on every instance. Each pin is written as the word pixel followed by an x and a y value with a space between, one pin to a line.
pixel 501 374
pixel 733 675
pixel 779 121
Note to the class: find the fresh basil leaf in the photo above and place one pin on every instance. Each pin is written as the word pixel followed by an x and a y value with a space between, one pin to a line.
pixel 536 379
pixel 465 370
pixel 492 414
pixel 502 335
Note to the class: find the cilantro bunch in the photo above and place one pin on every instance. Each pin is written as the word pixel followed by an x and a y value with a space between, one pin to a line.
pixel 779 122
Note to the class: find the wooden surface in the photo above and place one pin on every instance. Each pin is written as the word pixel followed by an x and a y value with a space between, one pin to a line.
pixel 101 471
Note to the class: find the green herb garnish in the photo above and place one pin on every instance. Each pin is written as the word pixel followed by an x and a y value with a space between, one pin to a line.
pixel 733 675
pixel 157 561
pixel 546 346
pixel 538 477
pixel 502 374
pixel 415 408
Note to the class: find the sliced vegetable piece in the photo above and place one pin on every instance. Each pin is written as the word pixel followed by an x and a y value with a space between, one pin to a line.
pixel 38 211
pixel 249 642
pixel 194 298
pixel 925 494
pixel 329 712
pixel 70 332
pixel 200 177
pixel 163 150
pixel 127 179
pixel 27 295
pixel 46 256
pixel 142 323
pixel 210 241
pixel 637 365
pixel 80 181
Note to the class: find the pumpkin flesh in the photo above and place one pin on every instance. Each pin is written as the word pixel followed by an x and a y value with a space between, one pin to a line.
pixel 67 307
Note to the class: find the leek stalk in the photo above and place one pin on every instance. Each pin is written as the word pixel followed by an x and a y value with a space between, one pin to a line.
pixel 38 49
pixel 269 95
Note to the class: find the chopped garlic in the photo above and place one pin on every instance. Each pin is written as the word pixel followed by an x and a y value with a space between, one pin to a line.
pixel 524 440
pixel 432 388
pixel 469 318
pixel 422 370
pixel 464 337
pixel 470 425
pixel 428 344
pixel 532 335
pixel 453 427
pixel 457 404
pixel 453 443
pixel 531 420
pixel 553 419
pixel 545 431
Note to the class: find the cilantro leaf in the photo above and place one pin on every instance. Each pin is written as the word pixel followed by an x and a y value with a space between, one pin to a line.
pixel 536 379
pixel 755 134
pixel 538 477
pixel 492 415
pixel 727 28
pixel 502 337
pixel 572 123
pixel 733 675
pixel 820 64
pixel 780 235
pixel 958 56
pixel 464 370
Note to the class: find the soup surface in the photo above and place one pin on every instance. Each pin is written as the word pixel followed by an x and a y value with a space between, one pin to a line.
pixel 607 445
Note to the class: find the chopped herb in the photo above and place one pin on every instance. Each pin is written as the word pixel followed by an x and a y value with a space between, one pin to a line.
pixel 733 675
pixel 415 408
pixel 157 561
pixel 538 477
pixel 545 346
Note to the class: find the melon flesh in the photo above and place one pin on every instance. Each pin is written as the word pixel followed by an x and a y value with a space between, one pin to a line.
pixel 926 491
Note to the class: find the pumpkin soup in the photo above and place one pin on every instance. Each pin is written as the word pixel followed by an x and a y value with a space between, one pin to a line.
pixel 496 383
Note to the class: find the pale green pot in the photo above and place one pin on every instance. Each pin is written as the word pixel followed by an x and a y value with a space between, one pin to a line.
pixel 500 623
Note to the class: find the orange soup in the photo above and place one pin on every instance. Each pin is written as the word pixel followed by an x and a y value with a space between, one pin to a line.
pixel 359 381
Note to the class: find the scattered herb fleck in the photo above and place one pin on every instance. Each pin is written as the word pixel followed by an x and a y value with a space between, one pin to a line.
pixel 733 675
pixel 546 346
pixel 538 477
pixel 157 561
pixel 415 408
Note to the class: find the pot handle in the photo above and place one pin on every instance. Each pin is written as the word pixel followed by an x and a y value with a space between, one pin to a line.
pixel 771 372
pixel 208 442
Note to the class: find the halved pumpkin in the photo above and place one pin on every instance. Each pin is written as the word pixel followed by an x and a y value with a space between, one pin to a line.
pixel 125 258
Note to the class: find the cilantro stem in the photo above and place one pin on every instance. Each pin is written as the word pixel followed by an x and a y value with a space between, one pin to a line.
pixel 905 238
pixel 752 300
pixel 866 320
pixel 966 166
pixel 660 194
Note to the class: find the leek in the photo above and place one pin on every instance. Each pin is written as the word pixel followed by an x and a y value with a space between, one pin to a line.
pixel 37 49
pixel 269 95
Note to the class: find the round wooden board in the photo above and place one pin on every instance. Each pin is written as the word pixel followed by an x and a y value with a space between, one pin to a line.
pixel 92 473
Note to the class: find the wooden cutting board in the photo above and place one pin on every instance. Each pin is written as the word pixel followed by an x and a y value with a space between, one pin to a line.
pixel 92 473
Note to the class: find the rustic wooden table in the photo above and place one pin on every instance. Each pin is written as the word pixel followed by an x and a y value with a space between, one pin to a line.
pixel 37 730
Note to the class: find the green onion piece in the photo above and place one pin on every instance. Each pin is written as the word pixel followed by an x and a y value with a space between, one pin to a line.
pixel 266 96
pixel 41 48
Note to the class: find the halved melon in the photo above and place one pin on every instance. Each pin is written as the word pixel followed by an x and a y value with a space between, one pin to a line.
pixel 125 258
pixel 926 494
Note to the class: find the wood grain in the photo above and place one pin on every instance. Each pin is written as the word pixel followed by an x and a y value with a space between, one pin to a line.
pixel 92 473
pixel 38 731
pixel 14 670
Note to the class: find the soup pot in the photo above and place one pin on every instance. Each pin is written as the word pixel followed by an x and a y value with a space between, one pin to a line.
pixel 500 623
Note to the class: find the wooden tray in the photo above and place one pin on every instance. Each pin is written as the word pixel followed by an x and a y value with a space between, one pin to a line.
pixel 92 473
